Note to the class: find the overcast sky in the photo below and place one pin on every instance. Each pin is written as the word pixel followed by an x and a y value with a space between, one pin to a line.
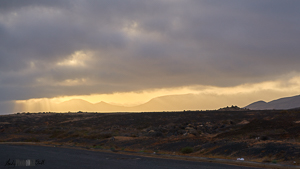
pixel 81 47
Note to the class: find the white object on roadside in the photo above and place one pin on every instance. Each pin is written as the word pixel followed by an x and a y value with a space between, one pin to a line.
pixel 240 159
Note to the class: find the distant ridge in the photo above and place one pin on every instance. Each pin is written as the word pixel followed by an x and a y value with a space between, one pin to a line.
pixel 106 107
pixel 171 103
pixel 163 103
pixel 281 104
pixel 83 105
pixel 257 105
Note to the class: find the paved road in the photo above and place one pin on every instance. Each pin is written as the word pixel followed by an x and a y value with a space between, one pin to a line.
pixel 55 157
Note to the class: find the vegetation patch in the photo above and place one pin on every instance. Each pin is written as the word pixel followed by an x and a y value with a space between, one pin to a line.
pixel 187 150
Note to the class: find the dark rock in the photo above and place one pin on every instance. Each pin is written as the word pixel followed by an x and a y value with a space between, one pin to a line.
pixel 264 138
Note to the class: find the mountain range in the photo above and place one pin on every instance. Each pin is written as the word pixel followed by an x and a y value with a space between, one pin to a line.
pixel 173 103
pixel 163 103
pixel 282 103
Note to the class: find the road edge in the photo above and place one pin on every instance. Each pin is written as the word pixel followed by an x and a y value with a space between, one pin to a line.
pixel 165 156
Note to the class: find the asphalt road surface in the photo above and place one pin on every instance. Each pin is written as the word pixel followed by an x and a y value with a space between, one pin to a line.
pixel 56 157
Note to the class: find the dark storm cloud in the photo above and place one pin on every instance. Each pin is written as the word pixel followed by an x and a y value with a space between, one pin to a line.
pixel 135 45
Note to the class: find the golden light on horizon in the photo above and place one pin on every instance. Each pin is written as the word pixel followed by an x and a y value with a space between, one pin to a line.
pixel 210 97
pixel 127 98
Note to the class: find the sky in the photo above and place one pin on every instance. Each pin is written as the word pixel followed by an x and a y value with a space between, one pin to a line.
pixel 127 52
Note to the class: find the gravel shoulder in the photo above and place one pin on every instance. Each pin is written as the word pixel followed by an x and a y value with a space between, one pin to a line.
pixel 58 157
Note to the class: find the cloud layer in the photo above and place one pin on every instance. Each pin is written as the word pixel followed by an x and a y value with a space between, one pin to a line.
pixel 56 48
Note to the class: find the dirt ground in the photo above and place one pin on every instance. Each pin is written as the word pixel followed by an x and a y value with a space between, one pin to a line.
pixel 270 136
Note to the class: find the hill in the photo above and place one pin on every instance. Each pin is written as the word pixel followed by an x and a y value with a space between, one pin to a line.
pixel 282 104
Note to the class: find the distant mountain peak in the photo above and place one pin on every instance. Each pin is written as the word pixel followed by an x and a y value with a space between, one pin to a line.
pixel 102 103
pixel 261 101
pixel 281 103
